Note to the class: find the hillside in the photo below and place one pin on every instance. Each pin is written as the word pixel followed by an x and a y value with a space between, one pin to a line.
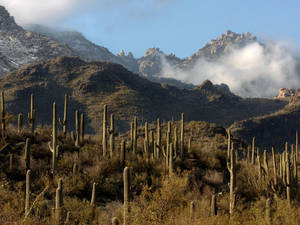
pixel 282 124
pixel 92 84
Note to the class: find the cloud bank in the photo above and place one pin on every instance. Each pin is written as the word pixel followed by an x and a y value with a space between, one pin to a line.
pixel 251 71
pixel 55 11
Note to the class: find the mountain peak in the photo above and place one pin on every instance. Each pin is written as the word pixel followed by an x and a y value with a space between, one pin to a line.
pixel 7 22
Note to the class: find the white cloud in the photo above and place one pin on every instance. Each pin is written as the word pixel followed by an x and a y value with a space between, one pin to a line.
pixel 55 11
pixel 251 71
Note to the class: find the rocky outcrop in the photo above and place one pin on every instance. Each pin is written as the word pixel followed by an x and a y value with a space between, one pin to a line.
pixel 286 93
pixel 19 47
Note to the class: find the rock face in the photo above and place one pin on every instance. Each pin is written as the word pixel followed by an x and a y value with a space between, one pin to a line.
pixel 92 84
pixel 285 93
pixel 19 47
pixel 85 48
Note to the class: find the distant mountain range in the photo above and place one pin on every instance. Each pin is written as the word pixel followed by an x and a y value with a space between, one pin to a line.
pixel 20 46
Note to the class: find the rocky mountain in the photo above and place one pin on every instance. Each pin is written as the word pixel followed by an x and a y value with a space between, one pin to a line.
pixel 85 48
pixel 19 47
pixel 92 84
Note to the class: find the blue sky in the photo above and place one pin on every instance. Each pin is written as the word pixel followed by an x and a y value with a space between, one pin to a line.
pixel 177 26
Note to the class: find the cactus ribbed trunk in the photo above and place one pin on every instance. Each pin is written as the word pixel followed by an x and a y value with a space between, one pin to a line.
pixel 126 181
pixel 20 122
pixel 190 145
pixel 171 159
pixel 182 136
pixel 258 165
pixel 266 165
pixel 112 135
pixel 192 210
pixel 27 155
pixel 274 167
pixel 288 179
pixel 158 141
pixel 134 135
pixel 231 166
pixel 77 130
pixel 175 141
pixel 213 207
pixel 268 212
pixel 123 153
pixel 253 151
pixel 82 127
pixel 31 115
pixel 54 148
pixel 93 194
pixel 28 191
pixel 228 144
pixel 104 125
pixel 65 116
pixel 131 136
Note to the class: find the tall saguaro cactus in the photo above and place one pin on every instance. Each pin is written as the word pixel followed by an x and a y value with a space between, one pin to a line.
pixel 112 135
pixel 77 130
pixel 32 114
pixel 274 167
pixel 20 122
pixel 93 194
pixel 58 203
pixel 82 127
pixel 54 146
pixel 28 191
pixel 104 125
pixel 134 135
pixel 2 115
pixel 126 180
pixel 288 178
pixel 158 139
pixel 182 135
pixel 27 154
pixel 231 166
pixel 213 206
pixel 253 151
pixel 63 122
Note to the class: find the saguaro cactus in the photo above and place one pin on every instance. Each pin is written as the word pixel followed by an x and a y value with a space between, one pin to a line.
pixel 288 179
pixel 192 210
pixel 228 143
pixel 266 166
pixel 104 125
pixel 20 122
pixel 231 166
pixel 126 180
pixel 112 135
pixel 2 115
pixel 28 191
pixel 58 204
pixel 253 151
pixel 93 194
pixel 63 122
pixel 82 127
pixel 158 137
pixel 182 136
pixel 190 145
pixel 76 136
pixel 31 114
pixel 53 146
pixel 213 207
pixel 134 135
pixel 123 153
pixel 274 167
pixel 175 140
pixel 171 158
pixel 27 154
pixel 268 212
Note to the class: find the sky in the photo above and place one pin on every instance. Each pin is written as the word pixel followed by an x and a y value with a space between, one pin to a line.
pixel 175 26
